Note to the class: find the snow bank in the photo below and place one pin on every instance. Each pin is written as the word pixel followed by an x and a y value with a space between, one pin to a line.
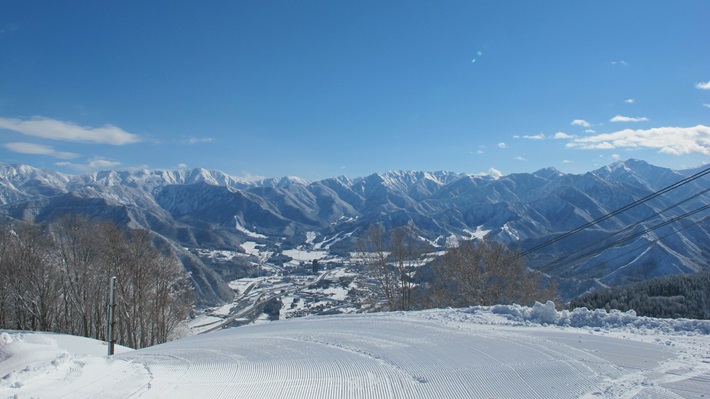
pixel 48 365
pixel 547 314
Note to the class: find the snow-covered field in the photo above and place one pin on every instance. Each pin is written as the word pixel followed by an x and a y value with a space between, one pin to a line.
pixel 482 352
pixel 306 256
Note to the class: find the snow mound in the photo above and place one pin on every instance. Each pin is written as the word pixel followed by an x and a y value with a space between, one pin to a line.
pixel 36 364
pixel 547 314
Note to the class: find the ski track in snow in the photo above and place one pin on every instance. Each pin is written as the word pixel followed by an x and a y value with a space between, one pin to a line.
pixel 498 352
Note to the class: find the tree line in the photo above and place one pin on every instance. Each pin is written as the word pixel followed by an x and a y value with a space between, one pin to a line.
pixel 55 278
pixel 471 272
pixel 686 296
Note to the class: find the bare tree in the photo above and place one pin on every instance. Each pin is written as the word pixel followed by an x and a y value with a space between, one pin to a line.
pixel 58 281
pixel 373 253
pixel 153 292
pixel 172 298
pixel 392 262
pixel 78 251
pixel 406 251
pixel 30 279
pixel 486 273
pixel 6 297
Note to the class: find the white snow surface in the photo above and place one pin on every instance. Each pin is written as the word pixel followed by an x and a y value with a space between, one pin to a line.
pixel 478 234
pixel 310 236
pixel 329 241
pixel 478 352
pixel 248 232
pixel 306 256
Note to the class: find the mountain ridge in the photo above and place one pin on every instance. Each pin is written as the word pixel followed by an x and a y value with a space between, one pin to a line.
pixel 199 208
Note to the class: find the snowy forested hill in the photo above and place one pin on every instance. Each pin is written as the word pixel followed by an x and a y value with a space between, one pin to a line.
pixel 498 352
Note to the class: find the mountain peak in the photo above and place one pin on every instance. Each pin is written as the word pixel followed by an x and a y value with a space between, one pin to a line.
pixel 629 164
pixel 548 173
pixel 282 182
pixel 634 171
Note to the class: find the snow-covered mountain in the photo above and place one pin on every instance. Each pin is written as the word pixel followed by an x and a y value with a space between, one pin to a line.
pixel 210 209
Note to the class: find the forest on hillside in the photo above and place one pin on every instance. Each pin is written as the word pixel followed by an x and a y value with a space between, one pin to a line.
pixel 55 278
pixel 686 296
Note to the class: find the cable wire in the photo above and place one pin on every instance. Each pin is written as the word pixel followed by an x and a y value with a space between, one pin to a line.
pixel 616 212
pixel 676 231
pixel 625 239
pixel 626 229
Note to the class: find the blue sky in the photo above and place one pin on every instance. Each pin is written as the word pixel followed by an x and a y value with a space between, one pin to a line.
pixel 319 89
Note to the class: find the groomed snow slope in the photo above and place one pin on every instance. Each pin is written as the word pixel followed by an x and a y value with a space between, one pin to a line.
pixel 482 352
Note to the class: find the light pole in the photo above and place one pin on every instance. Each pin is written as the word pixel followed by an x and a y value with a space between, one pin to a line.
pixel 111 322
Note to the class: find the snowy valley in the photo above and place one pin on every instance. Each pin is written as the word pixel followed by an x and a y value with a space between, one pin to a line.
pixel 196 210
pixel 311 282
pixel 283 297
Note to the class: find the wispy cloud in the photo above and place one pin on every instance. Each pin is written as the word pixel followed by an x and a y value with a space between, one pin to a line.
pixel 532 137
pixel 566 161
pixel 703 85
pixel 99 163
pixel 198 140
pixel 519 158
pixel 621 118
pixel 562 135
pixel 706 105
pixel 668 140
pixel 39 149
pixel 580 122
pixel 502 145
pixel 95 163
pixel 622 63
pixel 66 131
pixel 630 100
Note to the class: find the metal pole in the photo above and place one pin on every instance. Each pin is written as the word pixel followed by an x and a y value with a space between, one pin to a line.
pixel 111 306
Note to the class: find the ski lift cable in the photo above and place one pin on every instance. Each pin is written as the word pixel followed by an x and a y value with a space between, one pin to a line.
pixel 625 239
pixel 618 211
pixel 676 231
pixel 630 227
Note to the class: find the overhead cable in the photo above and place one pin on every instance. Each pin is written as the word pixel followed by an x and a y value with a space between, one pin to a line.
pixel 618 211
pixel 628 228
pixel 625 239
pixel 675 231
